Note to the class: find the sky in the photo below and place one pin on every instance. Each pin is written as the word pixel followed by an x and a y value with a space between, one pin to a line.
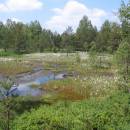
pixel 57 15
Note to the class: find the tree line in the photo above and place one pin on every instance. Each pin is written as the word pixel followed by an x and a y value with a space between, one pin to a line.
pixel 27 38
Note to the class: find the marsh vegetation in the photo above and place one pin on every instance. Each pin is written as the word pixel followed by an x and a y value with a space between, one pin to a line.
pixel 91 79
pixel 73 81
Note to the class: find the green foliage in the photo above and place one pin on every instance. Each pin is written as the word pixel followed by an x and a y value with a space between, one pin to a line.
pixel 6 104
pixel 92 59
pixel 108 39
pixel 95 80
pixel 109 114
pixel 26 38
pixel 7 53
pixel 124 12
pixel 6 84
pixel 99 61
pixel 78 59
pixel 123 59
pixel 86 33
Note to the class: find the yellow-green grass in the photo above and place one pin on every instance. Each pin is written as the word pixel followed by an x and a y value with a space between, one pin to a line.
pixel 13 68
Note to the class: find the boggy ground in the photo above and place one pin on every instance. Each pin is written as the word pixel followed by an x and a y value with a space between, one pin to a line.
pixel 89 98
pixel 93 76
pixel 89 76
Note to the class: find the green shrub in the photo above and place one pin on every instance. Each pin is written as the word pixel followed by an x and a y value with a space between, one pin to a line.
pixel 106 114
pixel 8 53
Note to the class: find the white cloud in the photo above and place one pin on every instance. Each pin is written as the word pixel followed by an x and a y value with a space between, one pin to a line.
pixel 72 13
pixel 16 19
pixel 13 19
pixel 17 5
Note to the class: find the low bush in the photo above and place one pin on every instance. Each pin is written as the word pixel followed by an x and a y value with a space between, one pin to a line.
pixel 95 114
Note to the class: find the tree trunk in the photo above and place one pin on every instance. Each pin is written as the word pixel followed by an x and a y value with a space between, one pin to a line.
pixel 8 119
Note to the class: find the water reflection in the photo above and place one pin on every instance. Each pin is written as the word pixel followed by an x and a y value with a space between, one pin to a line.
pixel 26 89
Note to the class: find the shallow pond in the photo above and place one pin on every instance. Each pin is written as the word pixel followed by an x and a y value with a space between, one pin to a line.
pixel 27 89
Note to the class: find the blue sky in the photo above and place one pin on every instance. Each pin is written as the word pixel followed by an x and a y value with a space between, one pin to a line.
pixel 58 14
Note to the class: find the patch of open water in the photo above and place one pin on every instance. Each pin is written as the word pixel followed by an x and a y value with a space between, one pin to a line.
pixel 26 89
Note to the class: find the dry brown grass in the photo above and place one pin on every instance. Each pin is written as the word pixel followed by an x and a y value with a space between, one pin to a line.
pixel 69 93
